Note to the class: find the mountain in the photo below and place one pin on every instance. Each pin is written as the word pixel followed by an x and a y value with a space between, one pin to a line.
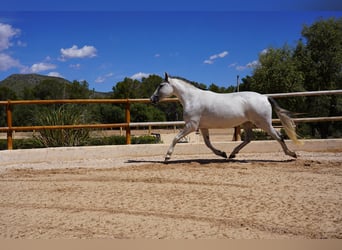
pixel 19 82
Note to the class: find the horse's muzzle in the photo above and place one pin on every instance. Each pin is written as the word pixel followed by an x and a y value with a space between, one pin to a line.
pixel 154 99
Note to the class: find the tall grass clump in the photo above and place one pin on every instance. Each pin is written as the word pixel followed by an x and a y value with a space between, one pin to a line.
pixel 62 115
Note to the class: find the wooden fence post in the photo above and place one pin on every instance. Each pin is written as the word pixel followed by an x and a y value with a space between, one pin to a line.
pixel 128 120
pixel 237 134
pixel 9 125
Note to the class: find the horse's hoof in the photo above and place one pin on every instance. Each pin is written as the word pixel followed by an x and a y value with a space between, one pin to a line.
pixel 224 155
pixel 292 154
pixel 232 156
pixel 167 158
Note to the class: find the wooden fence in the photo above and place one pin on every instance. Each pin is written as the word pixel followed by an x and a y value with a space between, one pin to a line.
pixel 128 124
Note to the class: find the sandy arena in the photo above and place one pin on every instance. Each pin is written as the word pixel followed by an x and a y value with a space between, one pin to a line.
pixel 256 196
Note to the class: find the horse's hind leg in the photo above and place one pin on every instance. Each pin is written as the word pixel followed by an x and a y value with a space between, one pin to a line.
pixel 277 136
pixel 205 134
pixel 247 128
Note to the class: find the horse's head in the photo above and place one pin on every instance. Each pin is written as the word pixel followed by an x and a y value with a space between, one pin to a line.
pixel 163 90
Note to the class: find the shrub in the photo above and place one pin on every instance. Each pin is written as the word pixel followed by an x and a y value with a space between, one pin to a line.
pixel 146 139
pixel 257 135
pixel 63 115
pixel 21 144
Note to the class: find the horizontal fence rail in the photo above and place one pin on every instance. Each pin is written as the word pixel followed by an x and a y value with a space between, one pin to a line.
pixel 128 124
pixel 307 93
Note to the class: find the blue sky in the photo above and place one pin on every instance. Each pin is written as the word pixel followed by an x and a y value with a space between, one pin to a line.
pixel 103 47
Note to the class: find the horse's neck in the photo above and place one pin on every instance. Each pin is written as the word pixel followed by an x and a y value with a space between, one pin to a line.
pixel 185 92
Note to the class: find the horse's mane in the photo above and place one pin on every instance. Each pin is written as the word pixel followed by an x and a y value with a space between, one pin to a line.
pixel 190 83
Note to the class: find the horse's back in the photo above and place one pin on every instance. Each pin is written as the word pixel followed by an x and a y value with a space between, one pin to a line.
pixel 254 104
pixel 257 108
pixel 232 109
pixel 238 102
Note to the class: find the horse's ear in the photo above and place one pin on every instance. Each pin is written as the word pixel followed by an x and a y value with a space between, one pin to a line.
pixel 166 77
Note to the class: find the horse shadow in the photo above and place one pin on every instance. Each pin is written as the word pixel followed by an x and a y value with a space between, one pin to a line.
pixel 209 161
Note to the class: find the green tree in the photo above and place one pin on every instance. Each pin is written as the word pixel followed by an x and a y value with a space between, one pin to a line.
pixel 5 94
pixel 322 54
pixel 128 88
pixel 132 88
pixel 277 72
pixel 22 114
pixel 28 94
pixel 143 113
pixel 50 89
pixel 77 90
pixel 320 57
pixel 314 64
pixel 213 87
pixel 107 113
pixel 217 89
pixel 246 84
pixel 148 85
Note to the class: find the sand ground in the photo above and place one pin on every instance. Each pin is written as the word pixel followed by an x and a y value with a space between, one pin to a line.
pixel 256 196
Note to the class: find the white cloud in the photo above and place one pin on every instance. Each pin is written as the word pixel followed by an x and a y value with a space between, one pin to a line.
pixel 7 62
pixel 75 52
pixel 100 79
pixel 139 76
pixel 75 66
pixel 208 61
pixel 232 65
pixel 250 65
pixel 103 78
pixel 55 74
pixel 38 67
pixel 6 33
pixel 264 51
pixel 220 55
pixel 212 58
pixel 240 67
pixel 157 55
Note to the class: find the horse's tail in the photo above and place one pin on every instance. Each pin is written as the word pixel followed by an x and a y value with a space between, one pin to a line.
pixel 286 121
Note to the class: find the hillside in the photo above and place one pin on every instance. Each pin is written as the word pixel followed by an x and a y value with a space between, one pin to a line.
pixel 19 82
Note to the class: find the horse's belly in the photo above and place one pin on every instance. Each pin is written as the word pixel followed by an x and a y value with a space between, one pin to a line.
pixel 220 122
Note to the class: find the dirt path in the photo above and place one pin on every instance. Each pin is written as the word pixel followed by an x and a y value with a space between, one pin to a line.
pixel 262 196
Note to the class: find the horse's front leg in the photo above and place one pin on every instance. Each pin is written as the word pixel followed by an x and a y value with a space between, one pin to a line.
pixel 205 134
pixel 187 130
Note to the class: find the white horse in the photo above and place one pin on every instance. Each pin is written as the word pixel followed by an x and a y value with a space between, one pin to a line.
pixel 204 109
